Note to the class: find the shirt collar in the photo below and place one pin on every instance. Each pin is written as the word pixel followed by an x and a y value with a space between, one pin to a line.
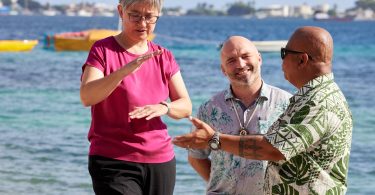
pixel 311 85
pixel 265 93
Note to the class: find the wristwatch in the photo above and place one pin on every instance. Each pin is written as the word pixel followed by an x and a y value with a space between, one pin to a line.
pixel 214 142
pixel 164 103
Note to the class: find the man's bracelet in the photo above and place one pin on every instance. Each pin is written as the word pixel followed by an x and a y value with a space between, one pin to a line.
pixel 166 105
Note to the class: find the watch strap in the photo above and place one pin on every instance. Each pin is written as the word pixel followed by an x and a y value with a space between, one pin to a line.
pixel 164 103
pixel 215 140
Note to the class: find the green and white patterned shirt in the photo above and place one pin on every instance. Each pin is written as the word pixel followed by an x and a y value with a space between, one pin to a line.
pixel 230 174
pixel 314 135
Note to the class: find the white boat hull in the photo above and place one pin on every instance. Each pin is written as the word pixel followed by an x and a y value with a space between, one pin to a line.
pixel 270 46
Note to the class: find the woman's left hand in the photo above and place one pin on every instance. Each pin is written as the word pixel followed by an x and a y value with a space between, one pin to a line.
pixel 149 111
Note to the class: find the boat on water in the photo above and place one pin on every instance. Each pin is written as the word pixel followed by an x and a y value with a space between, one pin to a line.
pixel 266 46
pixel 17 45
pixel 321 16
pixel 79 41
pixel 270 46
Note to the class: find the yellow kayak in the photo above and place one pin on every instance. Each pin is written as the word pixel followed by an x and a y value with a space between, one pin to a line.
pixel 79 41
pixel 17 45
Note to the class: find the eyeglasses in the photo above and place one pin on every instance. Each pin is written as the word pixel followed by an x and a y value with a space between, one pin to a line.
pixel 284 52
pixel 150 19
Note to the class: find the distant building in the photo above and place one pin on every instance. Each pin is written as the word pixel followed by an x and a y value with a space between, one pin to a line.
pixel 49 10
pixel 273 11
pixel 303 11
pixel 102 9
pixel 4 10
pixel 361 14
pixel 15 9
pixel 323 8
pixel 177 11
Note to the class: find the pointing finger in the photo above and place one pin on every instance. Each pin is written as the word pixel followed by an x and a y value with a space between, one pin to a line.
pixel 196 122
pixel 157 52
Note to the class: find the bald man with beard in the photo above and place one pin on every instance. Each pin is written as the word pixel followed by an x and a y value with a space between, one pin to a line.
pixel 308 147
pixel 247 106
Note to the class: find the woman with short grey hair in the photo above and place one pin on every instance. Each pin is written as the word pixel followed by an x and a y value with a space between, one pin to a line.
pixel 127 81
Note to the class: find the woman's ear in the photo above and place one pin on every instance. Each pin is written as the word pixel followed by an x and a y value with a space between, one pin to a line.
pixel 120 11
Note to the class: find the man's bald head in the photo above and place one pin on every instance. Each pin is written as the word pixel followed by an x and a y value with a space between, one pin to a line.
pixel 234 43
pixel 315 41
pixel 314 56
pixel 241 62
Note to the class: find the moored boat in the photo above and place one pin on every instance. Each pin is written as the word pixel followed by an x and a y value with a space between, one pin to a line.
pixel 78 41
pixel 270 46
pixel 320 16
pixel 17 45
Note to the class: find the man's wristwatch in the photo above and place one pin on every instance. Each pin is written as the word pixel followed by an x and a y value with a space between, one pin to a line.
pixel 214 142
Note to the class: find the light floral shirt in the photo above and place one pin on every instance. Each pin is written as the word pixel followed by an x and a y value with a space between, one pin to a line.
pixel 232 174
pixel 314 135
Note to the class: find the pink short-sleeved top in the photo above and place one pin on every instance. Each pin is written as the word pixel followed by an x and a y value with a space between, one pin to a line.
pixel 112 133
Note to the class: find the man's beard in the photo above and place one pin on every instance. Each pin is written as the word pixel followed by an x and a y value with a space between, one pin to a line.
pixel 245 80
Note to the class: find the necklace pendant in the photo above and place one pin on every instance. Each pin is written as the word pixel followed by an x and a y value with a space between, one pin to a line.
pixel 243 132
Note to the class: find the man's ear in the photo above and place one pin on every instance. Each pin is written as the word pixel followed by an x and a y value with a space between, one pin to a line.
pixel 222 70
pixel 260 60
pixel 303 60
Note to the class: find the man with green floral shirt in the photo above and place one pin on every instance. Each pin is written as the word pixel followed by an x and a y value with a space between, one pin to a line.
pixel 308 147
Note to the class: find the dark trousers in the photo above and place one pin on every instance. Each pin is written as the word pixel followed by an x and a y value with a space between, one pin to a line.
pixel 112 177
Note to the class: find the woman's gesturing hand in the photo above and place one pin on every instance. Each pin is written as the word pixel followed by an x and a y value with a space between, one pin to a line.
pixel 137 62
pixel 149 111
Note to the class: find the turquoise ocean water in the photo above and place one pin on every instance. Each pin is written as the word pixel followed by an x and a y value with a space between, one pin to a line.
pixel 43 126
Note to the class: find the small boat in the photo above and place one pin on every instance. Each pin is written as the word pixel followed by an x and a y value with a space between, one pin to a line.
pixel 17 45
pixel 78 41
pixel 270 46
pixel 321 16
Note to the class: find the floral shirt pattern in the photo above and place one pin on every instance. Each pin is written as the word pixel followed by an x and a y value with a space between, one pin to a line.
pixel 232 174
pixel 314 135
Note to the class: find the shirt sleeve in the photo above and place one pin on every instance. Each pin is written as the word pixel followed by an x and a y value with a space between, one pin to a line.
pixel 197 153
pixel 298 129
pixel 95 58
pixel 173 67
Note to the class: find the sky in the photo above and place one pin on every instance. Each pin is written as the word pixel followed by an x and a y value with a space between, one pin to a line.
pixel 187 4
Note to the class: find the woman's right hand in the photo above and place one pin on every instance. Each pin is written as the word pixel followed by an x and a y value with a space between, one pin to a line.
pixel 95 86
pixel 137 62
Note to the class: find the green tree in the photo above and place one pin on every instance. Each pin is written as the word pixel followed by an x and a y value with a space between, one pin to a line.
pixel 333 11
pixel 365 4
pixel 204 9
pixel 30 4
pixel 240 8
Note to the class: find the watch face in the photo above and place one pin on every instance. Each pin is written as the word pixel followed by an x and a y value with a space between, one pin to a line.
pixel 214 145
pixel 214 142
